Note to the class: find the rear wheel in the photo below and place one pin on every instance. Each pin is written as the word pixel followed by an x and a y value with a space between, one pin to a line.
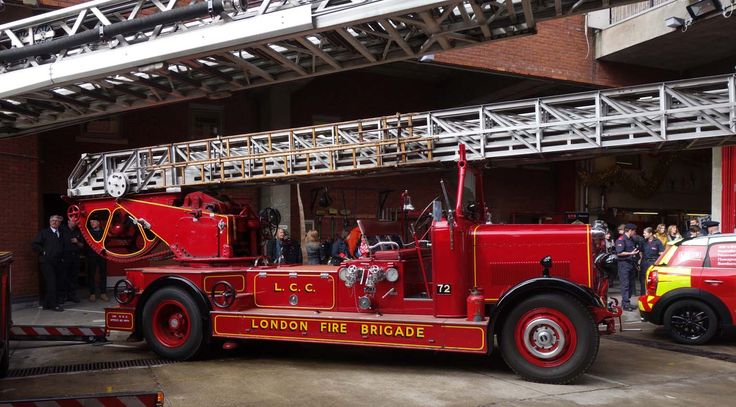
pixel 173 324
pixel 549 338
pixel 690 322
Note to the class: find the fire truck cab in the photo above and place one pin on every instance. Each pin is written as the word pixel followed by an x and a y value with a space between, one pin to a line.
pixel 456 287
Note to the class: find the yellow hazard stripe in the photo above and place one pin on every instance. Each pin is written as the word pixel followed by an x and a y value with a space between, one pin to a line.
pixel 672 278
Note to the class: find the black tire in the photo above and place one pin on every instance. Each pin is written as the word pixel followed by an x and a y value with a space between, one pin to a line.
pixel 549 338
pixel 173 324
pixel 691 322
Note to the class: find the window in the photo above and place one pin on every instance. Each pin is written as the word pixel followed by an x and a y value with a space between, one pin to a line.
pixel 105 130
pixel 722 255
pixel 688 256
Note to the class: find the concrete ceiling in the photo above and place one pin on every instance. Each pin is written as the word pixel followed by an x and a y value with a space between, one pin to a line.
pixel 705 42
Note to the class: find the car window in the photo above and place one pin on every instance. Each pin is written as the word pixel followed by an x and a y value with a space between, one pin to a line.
pixel 722 255
pixel 688 256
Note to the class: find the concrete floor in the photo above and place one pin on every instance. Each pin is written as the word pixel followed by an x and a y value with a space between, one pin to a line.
pixel 262 373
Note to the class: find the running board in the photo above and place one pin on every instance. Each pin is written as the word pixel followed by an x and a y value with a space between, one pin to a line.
pixel 353 328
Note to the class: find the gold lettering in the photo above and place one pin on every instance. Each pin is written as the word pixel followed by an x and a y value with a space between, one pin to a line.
pixel 322 326
pixel 293 287
pixel 343 328
pixel 276 288
pixel 399 331
pixel 409 331
pixel 274 324
pixel 309 288
pixel 253 324
pixel 389 330
pixel 420 332
pixel 363 329
pixel 263 323
pixel 283 325
pixel 303 325
pixel 374 330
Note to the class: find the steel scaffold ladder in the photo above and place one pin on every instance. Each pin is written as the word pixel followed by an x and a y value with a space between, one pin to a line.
pixel 109 56
pixel 693 111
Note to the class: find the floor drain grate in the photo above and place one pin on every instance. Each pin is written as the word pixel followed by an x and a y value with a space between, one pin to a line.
pixel 85 367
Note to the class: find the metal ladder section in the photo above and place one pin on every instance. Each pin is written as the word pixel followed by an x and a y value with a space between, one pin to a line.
pixel 109 56
pixel 699 112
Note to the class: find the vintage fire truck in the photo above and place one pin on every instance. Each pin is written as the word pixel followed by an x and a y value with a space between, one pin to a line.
pixel 532 292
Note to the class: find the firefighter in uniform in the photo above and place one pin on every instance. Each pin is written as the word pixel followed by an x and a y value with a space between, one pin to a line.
pixel 651 249
pixel 627 254
pixel 712 227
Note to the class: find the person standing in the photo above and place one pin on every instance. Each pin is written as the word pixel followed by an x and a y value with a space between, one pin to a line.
pixel 73 244
pixel 96 265
pixel 340 249
pixel 661 233
pixel 627 254
pixel 695 224
pixel 651 250
pixel 313 247
pixel 49 245
pixel 712 227
pixel 673 234
pixel 694 231
pixel 275 246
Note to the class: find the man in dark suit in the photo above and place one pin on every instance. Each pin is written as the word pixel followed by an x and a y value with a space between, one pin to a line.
pixel 274 247
pixel 49 244
pixel 73 244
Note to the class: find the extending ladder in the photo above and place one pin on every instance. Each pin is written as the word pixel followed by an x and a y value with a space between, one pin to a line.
pixel 698 112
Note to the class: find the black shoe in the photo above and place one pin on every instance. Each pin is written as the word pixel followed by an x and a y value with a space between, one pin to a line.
pixel 629 308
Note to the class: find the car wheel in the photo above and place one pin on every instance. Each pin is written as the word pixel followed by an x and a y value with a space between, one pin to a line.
pixel 173 324
pixel 690 322
pixel 549 338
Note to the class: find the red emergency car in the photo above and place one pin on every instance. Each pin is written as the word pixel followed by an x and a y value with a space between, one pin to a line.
pixel 691 289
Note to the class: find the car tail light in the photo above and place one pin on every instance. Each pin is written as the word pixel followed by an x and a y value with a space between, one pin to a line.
pixel 652 280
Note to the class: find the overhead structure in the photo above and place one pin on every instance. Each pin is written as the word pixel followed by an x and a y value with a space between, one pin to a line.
pixel 110 56
pixel 700 112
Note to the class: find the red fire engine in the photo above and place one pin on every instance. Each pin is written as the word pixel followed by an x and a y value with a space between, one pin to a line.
pixel 456 288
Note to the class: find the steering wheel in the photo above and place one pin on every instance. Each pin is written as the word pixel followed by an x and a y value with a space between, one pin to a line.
pixel 73 212
pixel 223 294
pixel 123 292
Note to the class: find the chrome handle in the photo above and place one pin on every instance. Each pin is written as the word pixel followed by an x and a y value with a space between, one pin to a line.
pixel 713 282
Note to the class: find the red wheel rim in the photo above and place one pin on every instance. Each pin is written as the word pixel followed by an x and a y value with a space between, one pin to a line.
pixel 171 323
pixel 73 212
pixel 545 337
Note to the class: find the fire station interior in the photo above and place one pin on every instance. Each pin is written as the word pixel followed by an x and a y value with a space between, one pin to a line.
pixel 645 187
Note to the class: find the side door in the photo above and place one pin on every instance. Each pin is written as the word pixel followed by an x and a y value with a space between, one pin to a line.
pixel 718 275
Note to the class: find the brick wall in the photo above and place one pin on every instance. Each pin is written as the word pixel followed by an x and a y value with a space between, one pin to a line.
pixel 59 3
pixel 20 217
pixel 558 51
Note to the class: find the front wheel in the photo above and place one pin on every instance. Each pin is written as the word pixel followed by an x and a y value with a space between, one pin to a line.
pixel 690 322
pixel 549 338
pixel 173 324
